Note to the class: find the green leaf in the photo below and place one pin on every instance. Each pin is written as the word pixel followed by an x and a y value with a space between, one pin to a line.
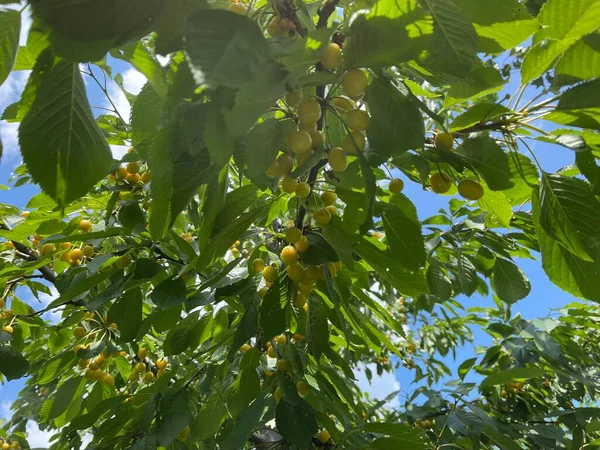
pixel 454 44
pixel 126 312
pixel 403 231
pixel 370 192
pixel 236 202
pixel 487 159
pixel 317 329
pixel 480 112
pixel 147 442
pixel 272 316
pixel 498 206
pixel 61 144
pixel 465 367
pixel 380 41
pixel 245 423
pixel 509 282
pixel 396 123
pixel 467 275
pixel 570 214
pixel 341 241
pixel 123 366
pixel 564 269
pixel 296 423
pixel 244 390
pixel 171 24
pixel 540 57
pixel 406 282
pixel 178 154
pixel 515 374
pixel 568 19
pixel 224 238
pixel 65 395
pixel 12 364
pixel 579 106
pixel 224 48
pixel 412 440
pixel 261 146
pixel 587 165
pixel 10 30
pixel 146 115
pixel 438 283
pixel 580 62
pixel 138 55
pixel 190 332
pixel 86 30
pixel 319 250
pixel 170 426
pixel 209 418
pixel 169 293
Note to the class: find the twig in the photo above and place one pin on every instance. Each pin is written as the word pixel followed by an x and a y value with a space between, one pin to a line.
pixel 104 90
pixel 325 12
pixel 26 253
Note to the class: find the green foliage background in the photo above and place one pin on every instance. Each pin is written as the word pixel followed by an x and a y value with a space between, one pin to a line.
pixel 168 304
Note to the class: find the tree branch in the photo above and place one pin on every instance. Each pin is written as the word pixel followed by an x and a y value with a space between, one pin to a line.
pixel 325 12
pixel 26 253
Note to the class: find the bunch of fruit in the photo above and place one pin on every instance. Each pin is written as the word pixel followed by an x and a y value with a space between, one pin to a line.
pixel 9 444
pixel 513 387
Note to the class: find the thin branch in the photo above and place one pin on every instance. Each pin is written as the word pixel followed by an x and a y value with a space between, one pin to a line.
pixel 26 253
pixel 104 90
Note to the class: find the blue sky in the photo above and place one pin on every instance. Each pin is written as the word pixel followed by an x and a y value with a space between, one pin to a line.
pixel 544 295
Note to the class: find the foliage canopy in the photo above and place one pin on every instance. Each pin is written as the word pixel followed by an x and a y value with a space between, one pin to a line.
pixel 220 284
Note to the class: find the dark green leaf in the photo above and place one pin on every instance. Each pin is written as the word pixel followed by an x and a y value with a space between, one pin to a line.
pixel 509 282
pixel 169 293
pixel 64 396
pixel 272 315
pixel 317 329
pixel 12 364
pixel 341 241
pixel 224 48
pixel 126 312
pixel 517 373
pixel 465 367
pixel 296 423
pixel 570 214
pixel 467 275
pixel 438 283
pixel 61 144
pixel 487 159
pixel 396 124
pixel 10 29
pixel 319 250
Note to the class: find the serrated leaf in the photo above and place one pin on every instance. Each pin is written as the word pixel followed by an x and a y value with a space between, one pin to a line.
pixel 403 232
pixel 341 241
pixel 480 112
pixel 319 250
pixel 568 19
pixel 86 30
pixel 61 144
pixel 178 154
pixel 509 282
pixel 209 418
pixel 467 275
pixel 65 395
pixel 570 214
pixel 261 146
pixel 489 160
pixel 396 124
pixel 465 367
pixel 454 44
pixel 540 57
pixel 169 293
pixel 190 332
pixel 438 283
pixel 137 54
pixel 244 390
pixel 381 41
pixel 405 281
pixel 12 364
pixel 296 423
pixel 579 106
pixel 272 316
pixel 10 30
pixel 580 62
pixel 317 329
pixel 224 48
pixel 517 373
pixel 567 271
pixel 126 312
pixel 146 115
pixel 498 207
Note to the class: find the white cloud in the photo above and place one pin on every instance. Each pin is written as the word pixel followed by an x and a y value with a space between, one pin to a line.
pixel 5 412
pixel 118 151
pixel 36 437
pixel 133 81
pixel 10 92
pixel 380 386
